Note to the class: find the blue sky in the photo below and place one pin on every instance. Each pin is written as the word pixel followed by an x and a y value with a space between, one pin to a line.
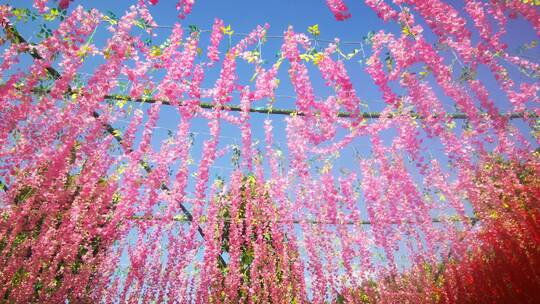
pixel 245 15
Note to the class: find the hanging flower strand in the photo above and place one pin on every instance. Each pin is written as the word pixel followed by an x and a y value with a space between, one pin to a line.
pixel 339 9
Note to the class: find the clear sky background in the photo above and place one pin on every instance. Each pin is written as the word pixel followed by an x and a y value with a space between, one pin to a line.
pixel 245 15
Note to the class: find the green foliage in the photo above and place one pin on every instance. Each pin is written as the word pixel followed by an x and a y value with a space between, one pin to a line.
pixel 314 30
pixel 531 2
pixel 368 39
pixel 226 30
pixel 110 17
pixel 44 32
pixel 141 23
pixel 23 14
pixel 250 194
pixel 51 15
pixel 193 29
pixel 25 193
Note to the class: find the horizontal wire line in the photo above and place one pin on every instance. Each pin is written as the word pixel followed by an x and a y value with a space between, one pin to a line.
pixel 316 222
pixel 55 74
pixel 277 111
pixel 267 36
pixel 266 110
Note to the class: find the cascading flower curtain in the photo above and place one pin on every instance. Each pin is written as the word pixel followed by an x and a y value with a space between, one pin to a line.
pixel 91 212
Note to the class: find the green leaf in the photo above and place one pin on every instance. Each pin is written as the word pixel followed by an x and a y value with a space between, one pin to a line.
pixel 51 15
pixel 142 24
pixel 226 30
pixel 314 30
pixel 180 218
pixel 531 2
pixel 44 32
pixel 116 133
pixel 406 30
pixel 193 29
pixel 155 51
pixel 21 14
pixel 351 55
pixel 121 102
pixel 368 39
pixel 306 57
pixel 110 20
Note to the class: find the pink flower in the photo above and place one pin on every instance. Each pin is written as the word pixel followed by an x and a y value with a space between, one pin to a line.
pixel 64 4
pixel 339 9
pixel 215 39
pixel 185 6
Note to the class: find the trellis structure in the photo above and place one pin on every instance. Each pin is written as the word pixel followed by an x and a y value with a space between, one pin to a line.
pixel 164 258
pixel 15 37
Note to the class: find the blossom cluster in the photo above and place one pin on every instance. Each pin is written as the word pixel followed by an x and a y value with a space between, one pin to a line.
pixel 92 212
